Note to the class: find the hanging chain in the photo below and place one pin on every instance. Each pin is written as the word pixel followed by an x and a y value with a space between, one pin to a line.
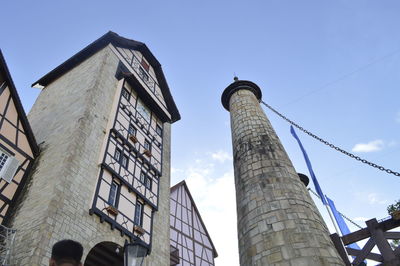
pixel 341 214
pixel 331 145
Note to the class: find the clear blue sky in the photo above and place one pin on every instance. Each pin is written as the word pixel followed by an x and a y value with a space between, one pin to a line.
pixel 331 66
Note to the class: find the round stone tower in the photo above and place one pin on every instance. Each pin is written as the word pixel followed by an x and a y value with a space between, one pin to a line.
pixel 278 223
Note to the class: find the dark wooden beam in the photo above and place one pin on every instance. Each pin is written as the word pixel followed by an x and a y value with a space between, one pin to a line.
pixel 364 252
pixel 340 248
pixel 380 240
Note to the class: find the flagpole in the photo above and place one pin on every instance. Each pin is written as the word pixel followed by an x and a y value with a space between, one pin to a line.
pixel 334 223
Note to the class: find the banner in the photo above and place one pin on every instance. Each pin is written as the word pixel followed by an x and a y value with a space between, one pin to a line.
pixel 316 184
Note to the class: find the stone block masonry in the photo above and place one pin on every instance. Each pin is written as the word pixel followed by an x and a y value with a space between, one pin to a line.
pixel 278 223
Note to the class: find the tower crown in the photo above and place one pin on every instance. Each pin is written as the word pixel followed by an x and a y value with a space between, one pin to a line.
pixel 239 85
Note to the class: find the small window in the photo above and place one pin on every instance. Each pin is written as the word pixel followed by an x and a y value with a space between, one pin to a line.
pixel 142 177
pixel 8 166
pixel 148 182
pixel 143 74
pixel 145 65
pixel 159 130
pixel 131 130
pixel 125 93
pixel 112 197
pixel 138 213
pixel 117 155
pixel 3 160
pixel 124 161
pixel 143 110
pixel 147 145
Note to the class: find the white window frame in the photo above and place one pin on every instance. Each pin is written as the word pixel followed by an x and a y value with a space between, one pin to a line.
pixel 10 167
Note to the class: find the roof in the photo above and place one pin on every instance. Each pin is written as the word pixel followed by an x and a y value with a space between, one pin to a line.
pixel 115 39
pixel 18 105
pixel 183 183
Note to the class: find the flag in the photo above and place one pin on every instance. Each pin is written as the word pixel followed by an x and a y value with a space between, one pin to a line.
pixel 316 184
pixel 341 223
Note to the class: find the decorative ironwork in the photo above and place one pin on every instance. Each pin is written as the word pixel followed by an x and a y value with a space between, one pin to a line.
pixel 330 144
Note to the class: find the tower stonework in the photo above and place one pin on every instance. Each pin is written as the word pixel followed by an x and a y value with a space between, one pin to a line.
pixel 278 223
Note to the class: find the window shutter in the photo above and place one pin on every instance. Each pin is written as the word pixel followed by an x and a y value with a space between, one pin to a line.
pixel 9 169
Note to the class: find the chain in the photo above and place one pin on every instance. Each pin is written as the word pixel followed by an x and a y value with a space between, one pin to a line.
pixel 341 214
pixel 331 145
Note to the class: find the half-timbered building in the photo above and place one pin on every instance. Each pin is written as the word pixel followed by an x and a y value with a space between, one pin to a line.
pixel 18 148
pixel 188 233
pixel 103 178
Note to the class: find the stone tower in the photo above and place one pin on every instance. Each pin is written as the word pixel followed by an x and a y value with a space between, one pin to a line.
pixel 103 119
pixel 278 223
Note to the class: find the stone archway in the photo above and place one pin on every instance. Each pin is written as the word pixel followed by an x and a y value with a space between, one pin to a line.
pixel 105 254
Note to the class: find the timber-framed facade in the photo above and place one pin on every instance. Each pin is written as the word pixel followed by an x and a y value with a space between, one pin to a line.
pixel 188 233
pixel 18 148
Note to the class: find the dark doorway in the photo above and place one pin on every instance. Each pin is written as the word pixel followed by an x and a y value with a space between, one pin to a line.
pixel 105 254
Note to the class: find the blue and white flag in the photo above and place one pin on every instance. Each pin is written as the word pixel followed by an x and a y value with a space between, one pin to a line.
pixel 316 184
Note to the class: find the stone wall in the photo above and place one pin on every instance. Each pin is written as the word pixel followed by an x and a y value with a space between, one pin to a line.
pixel 278 223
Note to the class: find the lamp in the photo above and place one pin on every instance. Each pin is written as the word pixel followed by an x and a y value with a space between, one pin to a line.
pixel 134 253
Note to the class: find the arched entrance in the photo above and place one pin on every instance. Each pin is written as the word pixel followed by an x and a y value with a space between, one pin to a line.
pixel 105 254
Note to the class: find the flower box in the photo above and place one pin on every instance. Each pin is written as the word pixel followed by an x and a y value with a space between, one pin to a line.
pixel 112 210
pixel 147 153
pixel 138 230
pixel 133 138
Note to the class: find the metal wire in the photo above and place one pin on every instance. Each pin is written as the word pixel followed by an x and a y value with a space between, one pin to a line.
pixel 330 144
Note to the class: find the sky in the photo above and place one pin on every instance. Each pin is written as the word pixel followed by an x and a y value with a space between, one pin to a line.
pixel 330 66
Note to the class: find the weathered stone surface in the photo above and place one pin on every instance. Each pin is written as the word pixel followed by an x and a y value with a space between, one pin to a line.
pixel 272 203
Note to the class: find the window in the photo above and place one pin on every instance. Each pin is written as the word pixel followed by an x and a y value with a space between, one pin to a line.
pixel 145 65
pixel 125 93
pixel 147 145
pixel 143 111
pixel 124 161
pixel 112 197
pixel 131 130
pixel 138 219
pixel 143 75
pixel 142 177
pixel 8 166
pixel 117 155
pixel 148 182
pixel 159 130
pixel 3 160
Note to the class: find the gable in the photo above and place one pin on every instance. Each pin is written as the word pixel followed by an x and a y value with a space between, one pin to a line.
pixel 188 232
pixel 115 40
pixel 140 67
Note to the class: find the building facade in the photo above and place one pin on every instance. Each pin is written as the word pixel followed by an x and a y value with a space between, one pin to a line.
pixel 189 235
pixel 18 147
pixel 103 175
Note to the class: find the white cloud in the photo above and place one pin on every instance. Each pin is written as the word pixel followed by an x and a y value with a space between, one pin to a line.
pixel 375 145
pixel 221 156
pixel 213 190
pixel 398 117
pixel 215 199
pixel 374 198
pixel 360 219
pixel 176 170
